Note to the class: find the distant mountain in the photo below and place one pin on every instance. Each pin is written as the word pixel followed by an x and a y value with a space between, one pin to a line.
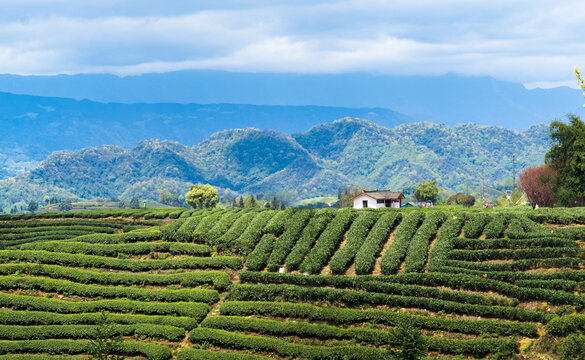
pixel 308 164
pixel 34 126
pixel 449 99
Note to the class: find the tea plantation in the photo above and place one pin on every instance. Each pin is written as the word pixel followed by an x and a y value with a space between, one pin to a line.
pixel 293 284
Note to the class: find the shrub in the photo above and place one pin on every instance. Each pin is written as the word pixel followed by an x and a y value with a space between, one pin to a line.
pixel 416 255
pixel 66 287
pixel 328 241
pixel 22 302
pixel 307 238
pixel 396 252
pixel 366 256
pixel 258 258
pixel 354 240
pixel 287 240
pixel 345 316
pixel 251 236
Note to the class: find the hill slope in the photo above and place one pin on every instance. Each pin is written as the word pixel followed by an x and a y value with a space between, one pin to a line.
pixel 257 284
pixel 314 163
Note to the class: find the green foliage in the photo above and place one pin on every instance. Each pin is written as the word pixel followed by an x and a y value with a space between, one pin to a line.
pixel 366 256
pixel 474 227
pixel 197 354
pixel 345 316
pixel 396 252
pixel 217 262
pixel 355 238
pixel 259 257
pixel 328 242
pixel 107 343
pixel 572 348
pixel 201 196
pixel 220 280
pixel 416 255
pixel 246 242
pixel 461 199
pixel 284 348
pixel 564 157
pixel 22 302
pixel 129 348
pixel 287 240
pixel 427 191
pixel 307 238
pixel 30 318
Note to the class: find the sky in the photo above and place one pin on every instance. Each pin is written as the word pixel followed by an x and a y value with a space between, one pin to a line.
pixel 536 42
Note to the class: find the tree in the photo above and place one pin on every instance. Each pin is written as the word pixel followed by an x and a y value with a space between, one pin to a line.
pixel 538 182
pixel 134 202
pixel 409 190
pixel 250 202
pixel 168 198
pixel 410 342
pixel 427 191
pixel 346 195
pixel 201 196
pixel 566 158
pixel 106 344
pixel 65 205
pixel 461 199
pixel 241 202
pixel 274 203
pixel 32 206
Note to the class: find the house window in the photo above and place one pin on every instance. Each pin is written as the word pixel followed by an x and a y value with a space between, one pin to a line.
pixel 388 203
pixel 380 201
pixel 365 203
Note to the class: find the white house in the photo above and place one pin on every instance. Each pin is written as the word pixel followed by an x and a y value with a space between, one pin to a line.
pixel 378 199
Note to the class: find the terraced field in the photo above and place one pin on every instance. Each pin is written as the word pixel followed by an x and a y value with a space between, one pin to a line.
pixel 293 284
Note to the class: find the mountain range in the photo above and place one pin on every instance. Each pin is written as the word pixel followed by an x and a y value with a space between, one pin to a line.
pixel 35 126
pixel 307 164
pixel 447 99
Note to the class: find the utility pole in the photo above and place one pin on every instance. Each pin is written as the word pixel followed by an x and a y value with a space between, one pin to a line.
pixel 482 186
pixel 513 173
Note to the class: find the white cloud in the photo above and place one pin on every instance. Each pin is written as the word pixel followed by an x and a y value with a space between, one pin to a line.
pixel 535 42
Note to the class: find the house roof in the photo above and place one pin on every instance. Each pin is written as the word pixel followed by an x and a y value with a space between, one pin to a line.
pixel 382 195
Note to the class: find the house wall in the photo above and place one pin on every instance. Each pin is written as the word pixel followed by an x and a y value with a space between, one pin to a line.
pixel 372 203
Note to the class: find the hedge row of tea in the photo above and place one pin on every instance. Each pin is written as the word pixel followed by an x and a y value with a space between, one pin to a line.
pixel 60 276
pixel 337 284
pixel 311 284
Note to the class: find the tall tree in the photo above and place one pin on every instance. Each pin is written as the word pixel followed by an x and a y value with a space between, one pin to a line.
pixel 427 191
pixel 346 194
pixel 250 202
pixel 134 202
pixel 567 157
pixel 538 182
pixel 32 206
pixel 201 196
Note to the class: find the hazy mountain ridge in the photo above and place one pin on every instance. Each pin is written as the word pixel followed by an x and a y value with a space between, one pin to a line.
pixel 450 99
pixel 34 126
pixel 316 162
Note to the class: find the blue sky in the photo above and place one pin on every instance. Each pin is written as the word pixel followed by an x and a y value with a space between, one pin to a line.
pixel 535 42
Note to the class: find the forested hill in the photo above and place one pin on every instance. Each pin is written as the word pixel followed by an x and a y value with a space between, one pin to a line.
pixel 34 126
pixel 313 163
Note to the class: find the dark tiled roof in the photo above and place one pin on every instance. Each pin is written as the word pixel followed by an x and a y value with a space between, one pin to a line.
pixel 385 194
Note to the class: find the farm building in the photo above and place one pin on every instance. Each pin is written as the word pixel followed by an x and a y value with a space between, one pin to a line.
pixel 378 199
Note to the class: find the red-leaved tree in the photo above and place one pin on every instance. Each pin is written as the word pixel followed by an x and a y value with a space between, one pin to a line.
pixel 537 181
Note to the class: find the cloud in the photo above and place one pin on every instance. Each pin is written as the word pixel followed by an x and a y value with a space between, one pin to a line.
pixel 535 42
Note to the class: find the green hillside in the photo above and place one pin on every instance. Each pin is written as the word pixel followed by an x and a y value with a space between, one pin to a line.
pixel 292 284
pixel 316 163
